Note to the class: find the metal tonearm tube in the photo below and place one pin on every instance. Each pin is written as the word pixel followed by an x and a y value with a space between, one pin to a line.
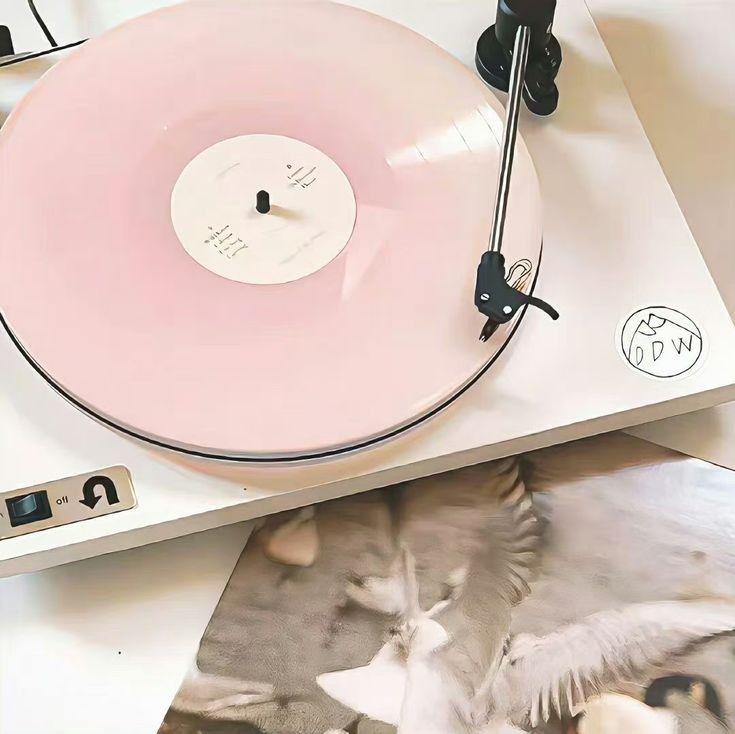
pixel 494 296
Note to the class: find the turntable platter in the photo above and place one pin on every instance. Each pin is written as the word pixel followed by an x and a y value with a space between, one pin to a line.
pixel 250 230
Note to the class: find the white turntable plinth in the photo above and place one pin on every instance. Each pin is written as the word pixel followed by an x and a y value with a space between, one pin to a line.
pixel 615 241
pixel 702 175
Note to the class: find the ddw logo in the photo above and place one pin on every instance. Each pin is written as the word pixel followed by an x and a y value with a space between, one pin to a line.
pixel 661 342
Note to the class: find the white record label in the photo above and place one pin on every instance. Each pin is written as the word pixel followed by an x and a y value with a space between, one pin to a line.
pixel 309 222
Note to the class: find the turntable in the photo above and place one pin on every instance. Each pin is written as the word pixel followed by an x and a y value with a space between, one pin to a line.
pixel 239 266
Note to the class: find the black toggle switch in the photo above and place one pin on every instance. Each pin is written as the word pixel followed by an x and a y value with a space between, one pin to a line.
pixel 28 508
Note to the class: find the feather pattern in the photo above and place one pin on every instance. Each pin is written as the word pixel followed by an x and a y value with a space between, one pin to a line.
pixel 447 673
pixel 597 653
pixel 497 578
pixel 440 670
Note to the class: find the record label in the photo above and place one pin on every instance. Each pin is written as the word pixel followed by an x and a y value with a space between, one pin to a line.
pixel 307 220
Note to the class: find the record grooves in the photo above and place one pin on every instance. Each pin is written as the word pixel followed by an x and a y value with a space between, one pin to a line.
pixel 275 269
pixel 394 433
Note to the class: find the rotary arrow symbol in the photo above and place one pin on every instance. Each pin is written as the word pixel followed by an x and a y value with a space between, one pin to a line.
pixel 91 499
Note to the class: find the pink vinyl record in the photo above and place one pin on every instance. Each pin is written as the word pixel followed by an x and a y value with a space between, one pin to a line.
pixel 250 230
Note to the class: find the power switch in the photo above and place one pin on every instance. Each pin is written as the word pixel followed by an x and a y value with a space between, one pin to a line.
pixel 28 508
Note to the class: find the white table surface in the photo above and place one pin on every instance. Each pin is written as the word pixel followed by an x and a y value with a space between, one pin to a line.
pixel 106 641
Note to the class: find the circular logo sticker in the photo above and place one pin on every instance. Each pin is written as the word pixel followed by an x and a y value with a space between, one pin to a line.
pixel 661 342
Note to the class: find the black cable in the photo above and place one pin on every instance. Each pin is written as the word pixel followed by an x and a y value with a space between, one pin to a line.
pixel 38 54
pixel 40 21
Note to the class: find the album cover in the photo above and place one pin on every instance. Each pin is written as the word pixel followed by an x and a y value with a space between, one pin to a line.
pixel 582 589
